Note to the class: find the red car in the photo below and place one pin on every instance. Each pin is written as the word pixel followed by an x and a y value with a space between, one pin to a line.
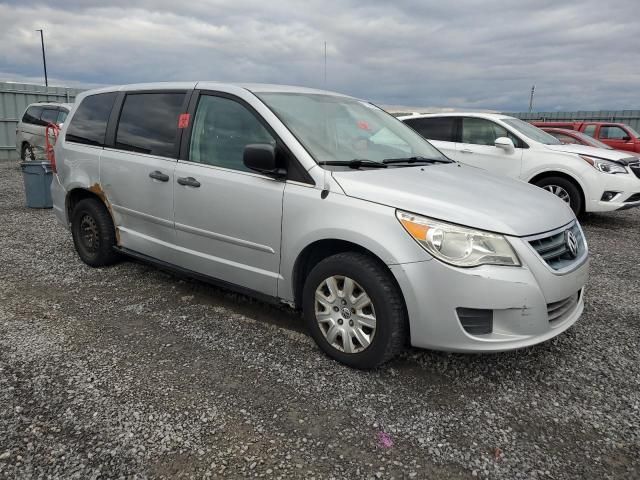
pixel 573 137
pixel 617 135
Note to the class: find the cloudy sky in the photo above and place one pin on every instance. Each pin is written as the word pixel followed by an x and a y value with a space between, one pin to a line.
pixel 482 54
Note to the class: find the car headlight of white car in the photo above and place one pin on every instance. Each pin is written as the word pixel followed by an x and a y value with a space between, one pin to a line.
pixel 604 166
pixel 457 245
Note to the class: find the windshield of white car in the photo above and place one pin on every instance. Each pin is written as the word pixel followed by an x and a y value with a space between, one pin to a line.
pixel 336 129
pixel 534 133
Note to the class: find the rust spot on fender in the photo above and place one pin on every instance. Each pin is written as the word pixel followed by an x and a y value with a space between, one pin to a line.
pixel 98 190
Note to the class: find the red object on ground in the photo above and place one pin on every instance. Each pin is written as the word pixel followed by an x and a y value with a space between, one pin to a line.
pixel 617 135
pixel 51 130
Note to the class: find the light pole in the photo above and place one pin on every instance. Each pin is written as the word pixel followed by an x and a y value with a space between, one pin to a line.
pixel 44 58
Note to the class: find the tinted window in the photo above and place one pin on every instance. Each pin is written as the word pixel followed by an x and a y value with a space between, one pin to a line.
pixel 590 130
pixel 221 130
pixel 89 122
pixel 613 133
pixel 149 123
pixel 442 128
pixel 49 115
pixel 32 115
pixel 479 131
pixel 62 115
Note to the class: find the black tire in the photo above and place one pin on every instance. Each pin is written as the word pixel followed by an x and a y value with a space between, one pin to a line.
pixel 94 235
pixel 391 331
pixel 23 152
pixel 575 199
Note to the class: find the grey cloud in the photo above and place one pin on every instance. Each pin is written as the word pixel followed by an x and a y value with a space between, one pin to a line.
pixel 463 54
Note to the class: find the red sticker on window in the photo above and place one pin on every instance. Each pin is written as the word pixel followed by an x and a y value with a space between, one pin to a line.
pixel 183 120
pixel 362 125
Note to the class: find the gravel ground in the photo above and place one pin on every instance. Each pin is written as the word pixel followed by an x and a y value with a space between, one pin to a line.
pixel 132 372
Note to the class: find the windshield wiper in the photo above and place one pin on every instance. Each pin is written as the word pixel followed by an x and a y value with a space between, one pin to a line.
pixel 356 163
pixel 391 161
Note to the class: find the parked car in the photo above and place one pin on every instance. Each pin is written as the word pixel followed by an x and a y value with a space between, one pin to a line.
pixel 569 137
pixel 30 130
pixel 588 179
pixel 323 202
pixel 617 135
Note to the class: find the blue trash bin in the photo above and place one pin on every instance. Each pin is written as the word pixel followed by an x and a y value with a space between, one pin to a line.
pixel 37 184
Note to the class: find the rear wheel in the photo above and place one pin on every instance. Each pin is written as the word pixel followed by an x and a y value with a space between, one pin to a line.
pixel 93 233
pixel 565 190
pixel 354 310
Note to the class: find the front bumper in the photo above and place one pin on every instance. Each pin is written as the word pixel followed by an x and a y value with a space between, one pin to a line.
pixel 626 186
pixel 521 299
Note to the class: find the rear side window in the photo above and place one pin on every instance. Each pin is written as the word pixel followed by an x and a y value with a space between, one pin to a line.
pixel 32 115
pixel 49 115
pixel 590 130
pixel 62 115
pixel 89 123
pixel 442 128
pixel 149 123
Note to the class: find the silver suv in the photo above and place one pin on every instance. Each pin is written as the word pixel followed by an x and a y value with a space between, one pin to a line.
pixel 323 202
pixel 31 128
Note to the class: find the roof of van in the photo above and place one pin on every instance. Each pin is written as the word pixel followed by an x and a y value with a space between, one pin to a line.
pixel 51 104
pixel 211 85
pixel 489 116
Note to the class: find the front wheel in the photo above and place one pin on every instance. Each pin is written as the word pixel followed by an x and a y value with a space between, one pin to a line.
pixel 354 310
pixel 565 190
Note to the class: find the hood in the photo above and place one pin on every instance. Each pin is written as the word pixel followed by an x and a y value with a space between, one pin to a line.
pixel 460 194
pixel 617 156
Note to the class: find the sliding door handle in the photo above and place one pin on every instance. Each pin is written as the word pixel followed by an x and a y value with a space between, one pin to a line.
pixel 158 175
pixel 189 182
pixel 466 150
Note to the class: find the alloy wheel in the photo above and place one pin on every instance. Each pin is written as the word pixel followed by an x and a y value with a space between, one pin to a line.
pixel 559 192
pixel 345 314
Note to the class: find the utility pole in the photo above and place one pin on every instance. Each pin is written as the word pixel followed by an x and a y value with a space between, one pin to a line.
pixel 44 58
pixel 325 64
pixel 533 91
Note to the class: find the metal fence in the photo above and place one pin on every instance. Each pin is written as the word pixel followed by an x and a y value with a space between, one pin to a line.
pixel 630 117
pixel 14 98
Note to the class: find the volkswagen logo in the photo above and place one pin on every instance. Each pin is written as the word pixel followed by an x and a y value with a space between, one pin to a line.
pixel 571 243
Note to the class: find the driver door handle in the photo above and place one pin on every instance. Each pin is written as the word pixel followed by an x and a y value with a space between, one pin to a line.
pixel 158 175
pixel 189 182
pixel 466 150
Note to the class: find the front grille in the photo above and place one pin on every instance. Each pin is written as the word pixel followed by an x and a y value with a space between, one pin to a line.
pixel 554 250
pixel 558 311
pixel 635 168
pixel 633 198
pixel 476 321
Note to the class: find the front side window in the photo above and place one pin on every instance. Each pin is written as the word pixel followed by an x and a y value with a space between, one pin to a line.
pixel 49 115
pixel 590 130
pixel 89 122
pixel 149 123
pixel 32 115
pixel 436 128
pixel 479 131
pixel 336 128
pixel 611 132
pixel 221 130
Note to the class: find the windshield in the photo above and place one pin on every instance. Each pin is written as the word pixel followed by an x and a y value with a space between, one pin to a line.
pixel 592 141
pixel 334 128
pixel 633 132
pixel 534 133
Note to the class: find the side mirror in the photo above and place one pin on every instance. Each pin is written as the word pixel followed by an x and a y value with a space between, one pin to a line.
pixel 626 138
pixel 261 157
pixel 505 143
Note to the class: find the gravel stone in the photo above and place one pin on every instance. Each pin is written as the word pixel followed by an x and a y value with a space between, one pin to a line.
pixel 131 372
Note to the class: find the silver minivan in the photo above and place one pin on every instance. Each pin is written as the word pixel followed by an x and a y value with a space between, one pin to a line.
pixel 31 128
pixel 326 203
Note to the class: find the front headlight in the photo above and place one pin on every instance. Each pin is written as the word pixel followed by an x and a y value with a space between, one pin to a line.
pixel 604 166
pixel 456 245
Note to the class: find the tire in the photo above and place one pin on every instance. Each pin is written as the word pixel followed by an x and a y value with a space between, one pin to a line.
pixel 386 306
pixel 94 235
pixel 563 188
